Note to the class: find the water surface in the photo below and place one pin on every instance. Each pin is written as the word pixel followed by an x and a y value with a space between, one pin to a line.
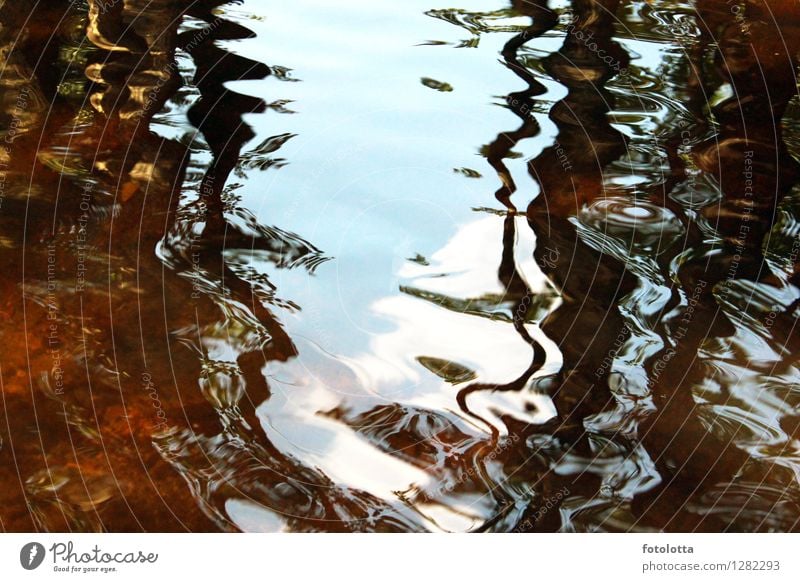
pixel 388 266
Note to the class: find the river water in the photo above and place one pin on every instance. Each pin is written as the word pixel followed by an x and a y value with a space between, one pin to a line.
pixel 398 266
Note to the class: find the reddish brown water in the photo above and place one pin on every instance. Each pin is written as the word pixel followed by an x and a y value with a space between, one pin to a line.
pixel 400 266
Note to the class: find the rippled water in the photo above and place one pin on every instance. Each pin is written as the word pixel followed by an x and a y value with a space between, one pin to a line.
pixel 398 266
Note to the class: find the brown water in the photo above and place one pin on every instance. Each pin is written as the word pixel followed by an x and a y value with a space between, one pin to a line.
pixel 397 266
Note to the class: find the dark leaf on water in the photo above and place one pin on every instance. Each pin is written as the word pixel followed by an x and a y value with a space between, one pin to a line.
pixel 446 370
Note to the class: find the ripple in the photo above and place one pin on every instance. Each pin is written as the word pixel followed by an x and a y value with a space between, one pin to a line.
pixel 639 225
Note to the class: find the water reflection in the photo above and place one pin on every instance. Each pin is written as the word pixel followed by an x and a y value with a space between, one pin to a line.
pixel 268 288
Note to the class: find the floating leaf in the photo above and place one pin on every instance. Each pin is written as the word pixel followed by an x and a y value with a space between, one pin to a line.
pixel 449 371
pixel 437 85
